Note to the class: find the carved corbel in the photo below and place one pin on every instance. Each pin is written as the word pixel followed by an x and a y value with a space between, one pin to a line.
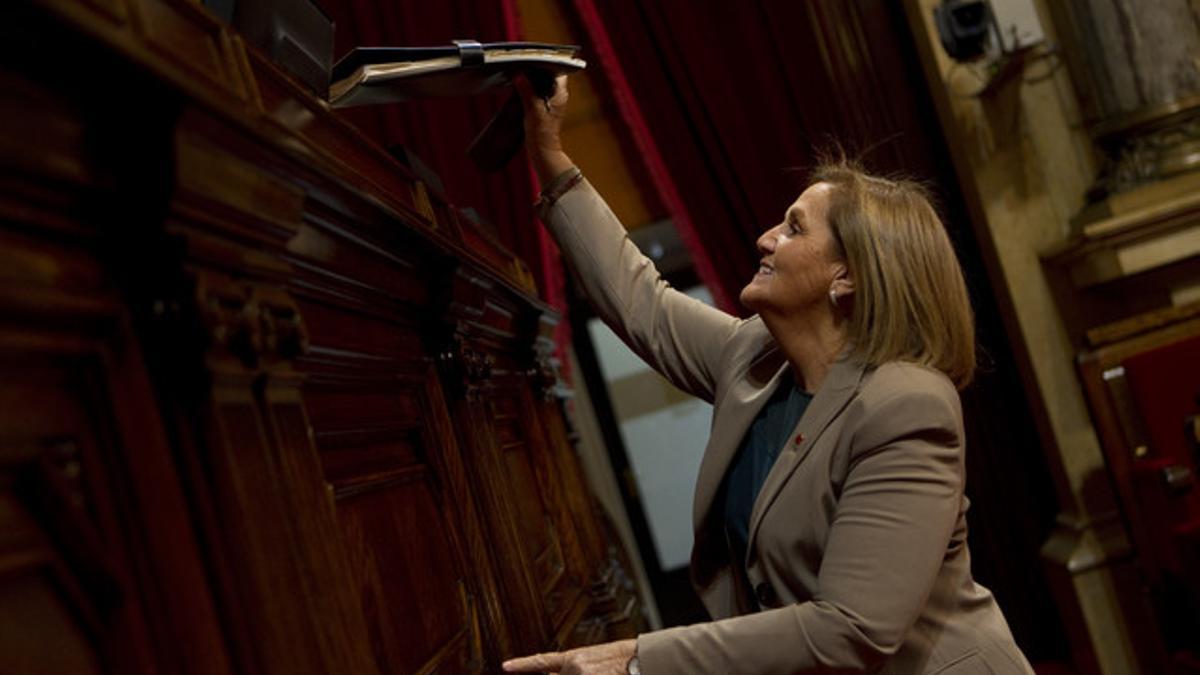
pixel 465 366
pixel 255 324
pixel 544 377
pixel 614 598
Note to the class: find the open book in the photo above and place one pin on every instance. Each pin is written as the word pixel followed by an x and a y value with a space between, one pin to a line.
pixel 388 74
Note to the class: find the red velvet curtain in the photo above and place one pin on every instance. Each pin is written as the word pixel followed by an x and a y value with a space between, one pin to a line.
pixel 726 102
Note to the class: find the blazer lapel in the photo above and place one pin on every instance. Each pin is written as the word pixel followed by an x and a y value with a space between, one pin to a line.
pixel 837 390
pixel 745 399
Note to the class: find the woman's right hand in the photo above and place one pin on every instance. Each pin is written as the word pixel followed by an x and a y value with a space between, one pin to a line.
pixel 543 128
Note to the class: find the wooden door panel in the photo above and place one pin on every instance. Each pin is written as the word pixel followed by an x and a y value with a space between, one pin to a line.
pixel 40 631
pixel 537 535
pixel 362 343
pixel 49 622
pixel 266 588
pixel 373 411
pixel 611 593
pixel 419 612
pixel 66 586
pixel 530 476
pixel 258 485
pixel 339 413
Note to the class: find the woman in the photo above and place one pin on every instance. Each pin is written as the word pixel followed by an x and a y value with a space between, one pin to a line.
pixel 829 511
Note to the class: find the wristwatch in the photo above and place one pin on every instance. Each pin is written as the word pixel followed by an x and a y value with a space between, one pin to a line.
pixel 634 667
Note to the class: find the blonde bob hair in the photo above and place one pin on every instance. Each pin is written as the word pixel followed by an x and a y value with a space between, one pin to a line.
pixel 910 302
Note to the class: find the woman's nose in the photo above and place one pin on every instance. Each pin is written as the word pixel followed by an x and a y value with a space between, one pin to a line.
pixel 766 242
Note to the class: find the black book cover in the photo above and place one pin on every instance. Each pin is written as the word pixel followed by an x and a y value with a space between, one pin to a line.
pixel 376 75
pixel 369 75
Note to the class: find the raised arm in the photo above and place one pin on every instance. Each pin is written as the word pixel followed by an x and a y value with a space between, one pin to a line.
pixel 678 336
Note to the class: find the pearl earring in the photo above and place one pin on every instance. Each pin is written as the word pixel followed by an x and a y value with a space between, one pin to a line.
pixel 833 298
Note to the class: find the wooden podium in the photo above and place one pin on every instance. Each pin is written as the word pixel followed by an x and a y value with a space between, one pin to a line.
pixel 269 404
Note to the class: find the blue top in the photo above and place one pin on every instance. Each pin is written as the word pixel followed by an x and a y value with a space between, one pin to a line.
pixel 766 438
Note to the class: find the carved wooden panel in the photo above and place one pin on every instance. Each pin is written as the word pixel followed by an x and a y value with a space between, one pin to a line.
pixel 609 607
pixel 95 541
pixel 509 416
pixel 610 596
pixel 255 470
pixel 385 462
pixel 522 491
pixel 62 586
pixel 77 593
pixel 186 34
pixel 113 10
pixel 264 407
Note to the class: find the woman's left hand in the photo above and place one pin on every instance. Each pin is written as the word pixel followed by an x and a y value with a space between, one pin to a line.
pixel 606 659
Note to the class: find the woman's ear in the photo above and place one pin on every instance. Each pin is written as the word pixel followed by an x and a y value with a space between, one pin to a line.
pixel 843 283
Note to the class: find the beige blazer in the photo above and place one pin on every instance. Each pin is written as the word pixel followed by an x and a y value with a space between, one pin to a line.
pixel 857 556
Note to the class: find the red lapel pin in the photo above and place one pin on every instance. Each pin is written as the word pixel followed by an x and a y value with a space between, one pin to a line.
pixel 799 439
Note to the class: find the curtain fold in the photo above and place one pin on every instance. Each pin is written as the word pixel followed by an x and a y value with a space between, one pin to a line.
pixel 612 73
pixel 727 101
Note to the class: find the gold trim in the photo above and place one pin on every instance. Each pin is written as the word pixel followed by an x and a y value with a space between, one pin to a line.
pixel 1153 213
pixel 424 205
pixel 1115 126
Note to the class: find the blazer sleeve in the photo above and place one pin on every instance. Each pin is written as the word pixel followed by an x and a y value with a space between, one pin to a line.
pixel 890 532
pixel 679 336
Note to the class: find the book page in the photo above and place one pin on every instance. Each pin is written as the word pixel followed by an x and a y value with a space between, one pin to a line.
pixel 386 71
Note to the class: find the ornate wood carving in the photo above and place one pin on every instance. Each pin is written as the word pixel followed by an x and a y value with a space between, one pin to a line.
pixel 254 323
pixel 465 364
